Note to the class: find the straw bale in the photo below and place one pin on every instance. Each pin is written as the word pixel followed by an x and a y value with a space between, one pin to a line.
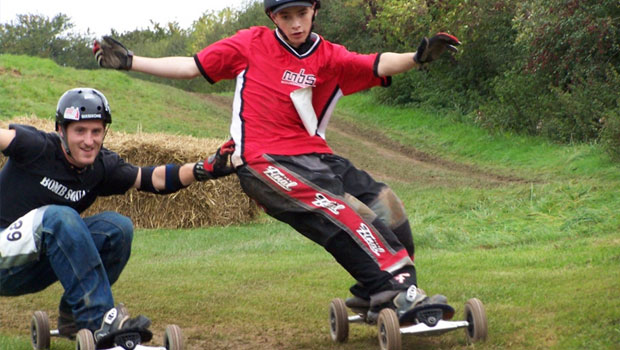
pixel 219 202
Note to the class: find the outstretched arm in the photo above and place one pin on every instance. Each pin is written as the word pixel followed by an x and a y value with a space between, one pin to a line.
pixel 391 63
pixel 429 50
pixel 158 176
pixel 112 54
pixel 170 178
pixel 167 67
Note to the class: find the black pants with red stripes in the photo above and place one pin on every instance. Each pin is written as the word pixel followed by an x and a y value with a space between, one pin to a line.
pixel 319 195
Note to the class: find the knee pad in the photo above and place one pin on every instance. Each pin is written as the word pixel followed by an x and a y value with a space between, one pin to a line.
pixel 389 208
pixel 391 211
pixel 364 211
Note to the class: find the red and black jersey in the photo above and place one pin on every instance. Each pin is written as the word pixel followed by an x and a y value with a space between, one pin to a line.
pixel 267 70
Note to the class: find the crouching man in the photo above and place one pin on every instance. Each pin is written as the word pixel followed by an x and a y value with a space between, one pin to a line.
pixel 48 180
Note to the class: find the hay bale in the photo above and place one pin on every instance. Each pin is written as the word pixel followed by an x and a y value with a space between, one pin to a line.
pixel 219 202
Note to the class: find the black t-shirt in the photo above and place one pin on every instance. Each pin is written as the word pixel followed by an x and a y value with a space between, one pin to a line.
pixel 37 174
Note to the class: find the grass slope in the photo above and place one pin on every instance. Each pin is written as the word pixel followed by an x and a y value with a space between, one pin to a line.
pixel 543 254
pixel 32 86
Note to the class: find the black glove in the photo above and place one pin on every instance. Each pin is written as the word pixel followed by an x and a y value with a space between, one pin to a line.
pixel 430 49
pixel 112 54
pixel 217 164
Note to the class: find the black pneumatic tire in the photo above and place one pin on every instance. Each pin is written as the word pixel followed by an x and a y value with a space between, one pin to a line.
pixel 84 340
pixel 173 338
pixel 338 321
pixel 476 316
pixel 40 331
pixel 389 330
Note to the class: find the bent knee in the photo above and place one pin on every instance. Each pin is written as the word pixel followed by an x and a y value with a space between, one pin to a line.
pixel 389 208
pixel 59 218
pixel 61 212
pixel 122 225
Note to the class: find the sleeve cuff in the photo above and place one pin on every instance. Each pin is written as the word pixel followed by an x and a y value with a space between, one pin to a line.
pixel 202 71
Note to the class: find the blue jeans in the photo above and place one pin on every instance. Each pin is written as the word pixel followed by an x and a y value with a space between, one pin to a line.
pixel 85 255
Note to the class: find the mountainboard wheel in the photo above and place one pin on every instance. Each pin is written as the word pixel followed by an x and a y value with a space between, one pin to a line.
pixel 40 331
pixel 84 340
pixel 477 319
pixel 389 330
pixel 173 338
pixel 338 321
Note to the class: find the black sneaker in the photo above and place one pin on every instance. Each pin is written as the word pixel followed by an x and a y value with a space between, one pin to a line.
pixel 413 297
pixel 379 301
pixel 66 325
pixel 409 299
pixel 438 299
pixel 357 304
pixel 117 327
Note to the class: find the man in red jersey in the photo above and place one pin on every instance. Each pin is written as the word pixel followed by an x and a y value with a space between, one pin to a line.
pixel 288 82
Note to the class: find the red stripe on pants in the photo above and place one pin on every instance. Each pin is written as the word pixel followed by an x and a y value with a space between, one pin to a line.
pixel 334 207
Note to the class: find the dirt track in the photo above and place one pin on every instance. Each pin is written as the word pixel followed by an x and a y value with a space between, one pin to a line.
pixel 387 160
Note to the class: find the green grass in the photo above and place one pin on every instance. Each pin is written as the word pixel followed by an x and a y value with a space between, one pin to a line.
pixel 543 253
pixel 265 281
pixel 32 86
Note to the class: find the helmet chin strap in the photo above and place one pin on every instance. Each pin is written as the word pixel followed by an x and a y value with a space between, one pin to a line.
pixel 63 140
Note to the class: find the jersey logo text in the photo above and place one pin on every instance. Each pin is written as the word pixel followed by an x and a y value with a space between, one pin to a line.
pixel 300 79
pixel 62 190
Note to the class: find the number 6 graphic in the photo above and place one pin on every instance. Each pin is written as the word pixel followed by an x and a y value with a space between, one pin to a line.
pixel 14 236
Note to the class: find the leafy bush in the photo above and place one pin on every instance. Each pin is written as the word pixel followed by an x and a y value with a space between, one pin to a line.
pixel 528 103
pixel 432 88
pixel 566 84
pixel 568 39
pixel 610 120
pixel 610 136
pixel 519 103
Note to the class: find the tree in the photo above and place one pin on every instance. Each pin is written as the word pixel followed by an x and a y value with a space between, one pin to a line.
pixel 36 35
pixel 346 22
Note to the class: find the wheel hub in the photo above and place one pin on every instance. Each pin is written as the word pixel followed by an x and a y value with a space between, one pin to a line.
pixel 128 341
pixel 430 317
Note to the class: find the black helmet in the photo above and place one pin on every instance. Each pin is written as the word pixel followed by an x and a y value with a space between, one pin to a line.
pixel 270 5
pixel 82 104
